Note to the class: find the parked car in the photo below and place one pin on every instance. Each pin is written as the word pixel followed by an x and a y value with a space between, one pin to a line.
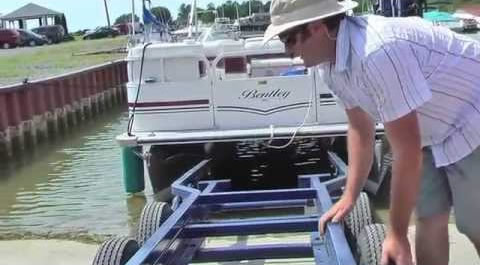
pixel 9 38
pixel 101 32
pixel 123 28
pixel 80 32
pixel 54 33
pixel 30 38
pixel 68 37
pixel 469 24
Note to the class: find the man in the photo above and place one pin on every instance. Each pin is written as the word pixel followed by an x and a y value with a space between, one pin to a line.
pixel 423 83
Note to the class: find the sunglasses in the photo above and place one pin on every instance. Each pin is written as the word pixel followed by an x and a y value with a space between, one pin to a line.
pixel 289 37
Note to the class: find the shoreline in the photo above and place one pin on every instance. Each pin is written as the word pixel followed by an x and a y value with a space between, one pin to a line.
pixel 46 252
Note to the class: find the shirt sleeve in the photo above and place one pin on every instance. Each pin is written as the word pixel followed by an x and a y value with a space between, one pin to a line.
pixel 344 99
pixel 394 79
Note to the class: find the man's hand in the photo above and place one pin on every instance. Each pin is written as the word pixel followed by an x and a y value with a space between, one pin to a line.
pixel 396 250
pixel 360 144
pixel 338 211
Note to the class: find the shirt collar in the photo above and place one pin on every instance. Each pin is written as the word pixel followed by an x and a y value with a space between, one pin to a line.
pixel 342 46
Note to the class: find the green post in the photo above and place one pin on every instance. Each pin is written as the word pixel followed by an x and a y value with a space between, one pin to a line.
pixel 132 169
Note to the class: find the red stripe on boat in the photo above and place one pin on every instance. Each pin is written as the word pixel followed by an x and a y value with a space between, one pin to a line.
pixel 170 103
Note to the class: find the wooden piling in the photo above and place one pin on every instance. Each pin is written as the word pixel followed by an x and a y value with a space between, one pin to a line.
pixel 39 95
pixel 5 142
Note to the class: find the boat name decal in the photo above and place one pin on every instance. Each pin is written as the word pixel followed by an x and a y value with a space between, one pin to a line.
pixel 255 94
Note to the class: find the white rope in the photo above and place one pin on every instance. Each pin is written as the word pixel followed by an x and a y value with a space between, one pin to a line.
pixel 272 133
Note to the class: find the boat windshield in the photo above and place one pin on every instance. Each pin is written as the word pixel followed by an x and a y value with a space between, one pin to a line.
pixel 221 32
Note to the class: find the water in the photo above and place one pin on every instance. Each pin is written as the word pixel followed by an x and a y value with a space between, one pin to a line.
pixel 71 189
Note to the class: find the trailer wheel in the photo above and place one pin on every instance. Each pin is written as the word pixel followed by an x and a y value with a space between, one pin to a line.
pixel 116 251
pixel 386 166
pixel 360 216
pixel 152 217
pixel 369 244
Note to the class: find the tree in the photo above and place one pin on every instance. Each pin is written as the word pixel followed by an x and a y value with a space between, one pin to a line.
pixel 211 6
pixel 228 9
pixel 266 6
pixel 126 18
pixel 183 12
pixel 208 15
pixel 163 14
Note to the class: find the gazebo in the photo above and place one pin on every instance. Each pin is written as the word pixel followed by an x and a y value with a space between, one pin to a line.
pixel 29 12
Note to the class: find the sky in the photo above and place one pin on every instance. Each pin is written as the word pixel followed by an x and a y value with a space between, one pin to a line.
pixel 88 14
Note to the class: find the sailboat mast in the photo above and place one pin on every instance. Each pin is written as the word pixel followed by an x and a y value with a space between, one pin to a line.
pixel 249 7
pixel 196 17
pixel 193 18
pixel 133 18
pixel 236 8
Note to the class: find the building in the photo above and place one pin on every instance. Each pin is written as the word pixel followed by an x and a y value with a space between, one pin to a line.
pixel 19 17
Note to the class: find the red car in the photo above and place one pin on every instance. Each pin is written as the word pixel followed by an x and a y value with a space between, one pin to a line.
pixel 123 28
pixel 9 38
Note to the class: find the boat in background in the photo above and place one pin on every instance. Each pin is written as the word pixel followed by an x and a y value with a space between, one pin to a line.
pixel 468 21
pixel 253 25
pixel 444 19
pixel 199 98
pixel 459 22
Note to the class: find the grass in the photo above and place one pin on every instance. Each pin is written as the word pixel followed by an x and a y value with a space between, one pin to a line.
pixel 39 62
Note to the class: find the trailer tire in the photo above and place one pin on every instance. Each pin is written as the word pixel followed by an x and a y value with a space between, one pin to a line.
pixel 152 217
pixel 386 166
pixel 385 170
pixel 116 251
pixel 369 244
pixel 360 216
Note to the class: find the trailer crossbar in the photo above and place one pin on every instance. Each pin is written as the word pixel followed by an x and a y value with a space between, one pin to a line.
pixel 271 251
pixel 248 227
pixel 180 238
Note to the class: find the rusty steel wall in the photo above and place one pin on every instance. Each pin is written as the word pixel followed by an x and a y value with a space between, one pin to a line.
pixel 35 111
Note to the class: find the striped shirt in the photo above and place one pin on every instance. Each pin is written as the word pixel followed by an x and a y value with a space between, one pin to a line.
pixel 392 66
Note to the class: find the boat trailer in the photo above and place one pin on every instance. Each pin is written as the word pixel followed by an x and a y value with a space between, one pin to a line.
pixel 177 234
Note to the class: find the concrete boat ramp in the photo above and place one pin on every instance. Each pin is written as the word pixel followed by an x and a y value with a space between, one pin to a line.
pixel 59 252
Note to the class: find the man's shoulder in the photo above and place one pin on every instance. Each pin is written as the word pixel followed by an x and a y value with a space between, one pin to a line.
pixel 382 23
pixel 367 35
pixel 372 33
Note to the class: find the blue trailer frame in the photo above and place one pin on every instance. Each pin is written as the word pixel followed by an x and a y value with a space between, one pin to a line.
pixel 179 239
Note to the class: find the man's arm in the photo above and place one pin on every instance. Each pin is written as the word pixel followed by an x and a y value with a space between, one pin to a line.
pixel 404 138
pixel 360 146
